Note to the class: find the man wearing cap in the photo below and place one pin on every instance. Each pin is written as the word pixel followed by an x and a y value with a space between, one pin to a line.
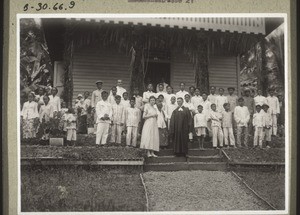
pixel 212 97
pixel 96 97
pixel 104 116
pixel 249 103
pixel 259 99
pixel 274 110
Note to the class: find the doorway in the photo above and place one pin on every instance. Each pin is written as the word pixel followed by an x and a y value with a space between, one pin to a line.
pixel 157 72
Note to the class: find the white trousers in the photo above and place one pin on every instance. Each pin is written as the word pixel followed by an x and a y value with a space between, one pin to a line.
pixel 131 135
pixel 116 133
pixel 258 136
pixel 217 135
pixel 228 135
pixel 71 134
pixel 102 133
pixel 274 124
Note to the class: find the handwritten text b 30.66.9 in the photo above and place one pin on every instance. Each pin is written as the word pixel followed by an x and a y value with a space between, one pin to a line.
pixel 49 6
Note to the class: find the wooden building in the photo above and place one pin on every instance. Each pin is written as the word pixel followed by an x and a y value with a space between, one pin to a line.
pixel 201 52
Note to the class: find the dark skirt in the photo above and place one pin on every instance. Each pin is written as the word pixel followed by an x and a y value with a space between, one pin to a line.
pixel 82 124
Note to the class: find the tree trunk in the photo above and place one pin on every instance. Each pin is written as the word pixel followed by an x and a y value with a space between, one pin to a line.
pixel 201 67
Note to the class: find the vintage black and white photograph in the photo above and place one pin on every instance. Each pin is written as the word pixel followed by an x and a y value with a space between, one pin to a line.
pixel 153 113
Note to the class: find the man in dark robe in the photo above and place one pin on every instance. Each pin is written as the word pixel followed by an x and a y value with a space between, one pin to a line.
pixel 180 127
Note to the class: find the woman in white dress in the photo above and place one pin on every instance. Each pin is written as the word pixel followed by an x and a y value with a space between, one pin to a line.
pixel 150 134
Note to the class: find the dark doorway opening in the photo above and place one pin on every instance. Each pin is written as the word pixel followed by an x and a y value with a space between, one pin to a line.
pixel 156 73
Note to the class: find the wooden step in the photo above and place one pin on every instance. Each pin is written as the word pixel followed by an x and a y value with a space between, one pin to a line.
pixel 214 158
pixel 165 159
pixel 192 152
pixel 212 166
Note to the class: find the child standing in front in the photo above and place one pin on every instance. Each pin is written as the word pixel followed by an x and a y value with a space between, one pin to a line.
pixel 200 124
pixel 268 125
pixel 71 127
pixel 132 118
pixel 258 125
pixel 216 120
pixel 227 116
pixel 242 117
pixel 117 121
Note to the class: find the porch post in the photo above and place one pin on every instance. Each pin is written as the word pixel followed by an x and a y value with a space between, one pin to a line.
pixel 260 65
pixel 137 64
pixel 201 67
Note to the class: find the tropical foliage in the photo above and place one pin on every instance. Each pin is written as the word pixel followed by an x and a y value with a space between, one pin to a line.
pixel 263 65
pixel 35 64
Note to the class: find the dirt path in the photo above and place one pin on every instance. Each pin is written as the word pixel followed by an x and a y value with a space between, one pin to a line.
pixel 198 191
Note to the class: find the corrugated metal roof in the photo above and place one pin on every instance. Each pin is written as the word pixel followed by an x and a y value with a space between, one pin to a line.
pixel 255 25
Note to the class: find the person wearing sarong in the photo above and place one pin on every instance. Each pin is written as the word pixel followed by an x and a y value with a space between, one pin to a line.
pixel 150 134
pixel 162 126
pixel 180 128
pixel 46 113
pixel 30 117
pixel 81 110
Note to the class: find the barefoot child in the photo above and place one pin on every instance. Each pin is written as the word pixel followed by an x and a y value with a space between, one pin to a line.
pixel 242 117
pixel 117 121
pixel 132 116
pixel 227 116
pixel 200 124
pixel 258 125
pixel 216 120
pixel 71 127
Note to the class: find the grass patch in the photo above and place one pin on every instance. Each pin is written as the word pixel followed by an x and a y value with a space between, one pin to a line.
pixel 81 189
pixel 251 155
pixel 269 185
pixel 82 153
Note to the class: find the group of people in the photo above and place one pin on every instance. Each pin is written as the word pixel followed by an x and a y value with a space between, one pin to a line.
pixel 161 118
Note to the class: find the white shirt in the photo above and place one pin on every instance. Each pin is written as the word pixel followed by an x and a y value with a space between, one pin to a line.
pixel 132 117
pixel 196 101
pixel 55 102
pixel 39 99
pixel 181 94
pixel 30 110
pixel 102 108
pixel 259 119
pixel 46 111
pixel 147 95
pixel 241 116
pixel 125 103
pixel 216 118
pixel 161 117
pixel 190 106
pixel 273 105
pixel 200 120
pixel 212 98
pixel 169 109
pixel 83 106
pixel 206 107
pixel 96 97
pixel 71 121
pixel 260 100
pixel 226 119
pixel 111 99
pixel 168 98
pixel 118 114
pixel 120 91
pixel 220 100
